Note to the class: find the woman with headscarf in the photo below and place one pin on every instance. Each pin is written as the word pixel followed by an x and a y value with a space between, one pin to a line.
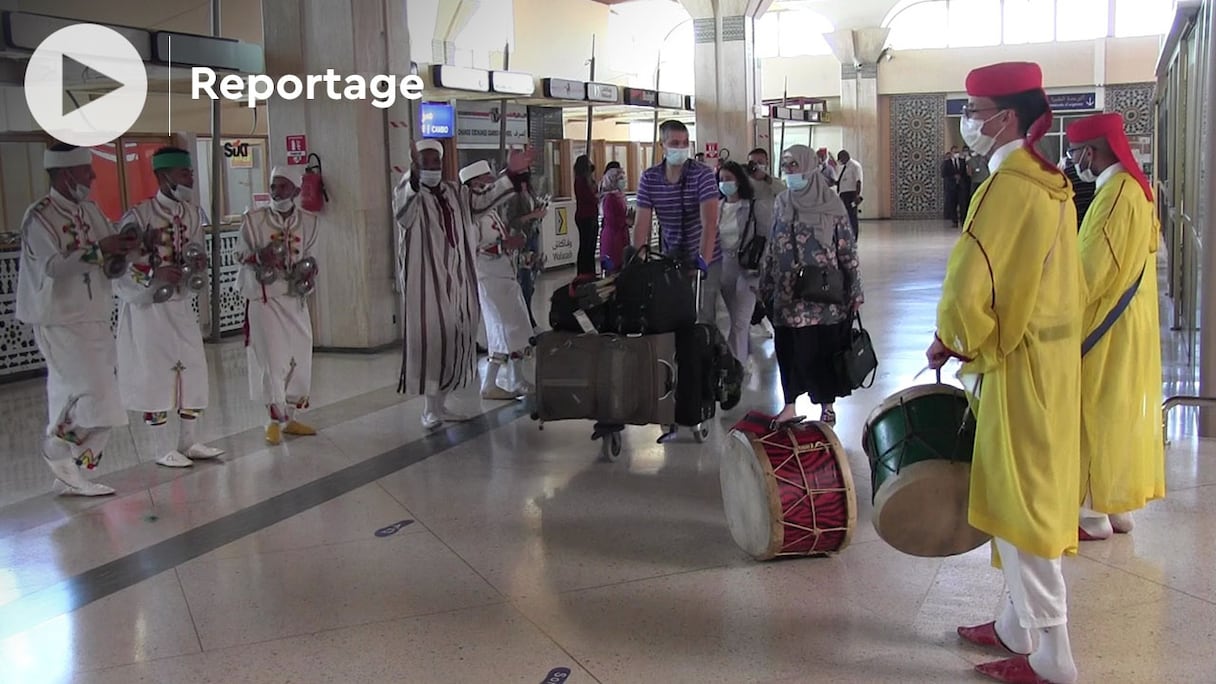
pixel 811 227
pixel 614 233
pixel 586 213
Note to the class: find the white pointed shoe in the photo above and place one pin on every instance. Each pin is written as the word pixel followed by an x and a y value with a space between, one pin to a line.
pixel 86 488
pixel 174 459
pixel 201 452
pixel 430 421
pixel 1122 523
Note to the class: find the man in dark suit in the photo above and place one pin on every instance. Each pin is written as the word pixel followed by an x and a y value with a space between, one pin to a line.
pixel 953 172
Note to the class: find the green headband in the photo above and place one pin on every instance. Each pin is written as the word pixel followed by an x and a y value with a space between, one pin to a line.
pixel 170 160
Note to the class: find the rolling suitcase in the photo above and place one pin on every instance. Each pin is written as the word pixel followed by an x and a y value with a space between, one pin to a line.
pixel 606 378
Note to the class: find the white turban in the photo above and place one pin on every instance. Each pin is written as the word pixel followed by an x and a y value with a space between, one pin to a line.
pixel 291 173
pixel 429 144
pixel 81 156
pixel 477 168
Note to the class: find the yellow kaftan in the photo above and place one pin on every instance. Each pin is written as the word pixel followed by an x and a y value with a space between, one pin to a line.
pixel 1012 302
pixel 1122 453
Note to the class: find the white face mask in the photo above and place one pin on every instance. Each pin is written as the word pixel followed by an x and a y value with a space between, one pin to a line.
pixel 183 194
pixel 430 178
pixel 283 205
pixel 972 131
pixel 80 193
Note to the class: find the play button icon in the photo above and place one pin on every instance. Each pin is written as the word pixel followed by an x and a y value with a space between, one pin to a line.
pixel 93 59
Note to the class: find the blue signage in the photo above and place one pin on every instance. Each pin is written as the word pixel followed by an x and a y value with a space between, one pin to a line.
pixel 1062 102
pixel 438 120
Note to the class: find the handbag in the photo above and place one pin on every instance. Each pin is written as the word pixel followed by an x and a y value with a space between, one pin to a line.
pixel 856 364
pixel 751 251
pixel 812 282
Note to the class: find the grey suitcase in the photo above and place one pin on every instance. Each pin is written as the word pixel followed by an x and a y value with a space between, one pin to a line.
pixel 606 378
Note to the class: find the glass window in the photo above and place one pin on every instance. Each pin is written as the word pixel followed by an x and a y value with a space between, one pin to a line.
pixel 1081 19
pixel 244 176
pixel 768 35
pixel 923 25
pixel 1143 17
pixel 801 33
pixel 1029 21
pixel 975 23
pixel 22 181
pixel 141 182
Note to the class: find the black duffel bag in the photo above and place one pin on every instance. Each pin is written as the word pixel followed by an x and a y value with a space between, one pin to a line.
pixel 564 305
pixel 654 295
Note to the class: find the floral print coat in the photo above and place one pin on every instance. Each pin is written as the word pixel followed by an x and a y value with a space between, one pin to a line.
pixel 776 288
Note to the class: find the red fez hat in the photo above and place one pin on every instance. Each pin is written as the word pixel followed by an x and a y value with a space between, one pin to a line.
pixel 1012 78
pixel 1110 128
pixel 1006 78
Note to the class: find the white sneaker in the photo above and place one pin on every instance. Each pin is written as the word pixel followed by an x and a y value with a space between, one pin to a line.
pixel 202 452
pixel 174 459
pixel 430 421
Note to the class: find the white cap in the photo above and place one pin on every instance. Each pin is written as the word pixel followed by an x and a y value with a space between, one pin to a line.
pixel 291 173
pixel 477 168
pixel 429 144
pixel 81 156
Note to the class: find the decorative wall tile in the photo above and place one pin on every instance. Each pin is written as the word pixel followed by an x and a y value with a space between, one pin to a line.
pixel 734 29
pixel 918 131
pixel 848 72
pixel 1135 103
pixel 705 30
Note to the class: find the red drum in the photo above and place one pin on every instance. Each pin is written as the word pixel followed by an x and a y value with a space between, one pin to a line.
pixel 787 491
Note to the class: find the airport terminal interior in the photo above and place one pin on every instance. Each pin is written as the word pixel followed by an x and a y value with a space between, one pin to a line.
pixel 398 544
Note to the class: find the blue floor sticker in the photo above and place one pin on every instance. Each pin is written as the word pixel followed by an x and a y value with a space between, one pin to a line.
pixel 557 674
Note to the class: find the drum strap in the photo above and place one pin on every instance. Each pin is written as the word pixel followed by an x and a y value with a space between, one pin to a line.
pixel 1106 324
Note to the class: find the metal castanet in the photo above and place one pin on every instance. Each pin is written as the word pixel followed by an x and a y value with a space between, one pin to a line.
pixel 116 266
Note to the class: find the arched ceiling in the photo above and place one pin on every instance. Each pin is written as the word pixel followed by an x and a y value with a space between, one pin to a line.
pixel 844 14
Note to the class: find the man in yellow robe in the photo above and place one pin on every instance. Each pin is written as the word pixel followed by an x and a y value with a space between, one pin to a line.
pixel 1011 310
pixel 1122 451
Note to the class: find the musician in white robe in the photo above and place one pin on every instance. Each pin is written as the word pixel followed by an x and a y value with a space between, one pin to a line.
pixel 436 271
pixel 508 328
pixel 278 329
pixel 162 365
pixel 62 291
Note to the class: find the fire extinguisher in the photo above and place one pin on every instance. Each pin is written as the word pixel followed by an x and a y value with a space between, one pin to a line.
pixel 312 190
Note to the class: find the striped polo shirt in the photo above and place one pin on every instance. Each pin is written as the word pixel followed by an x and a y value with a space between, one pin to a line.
pixel 678 206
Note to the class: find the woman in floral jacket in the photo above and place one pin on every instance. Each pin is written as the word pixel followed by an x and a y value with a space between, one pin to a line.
pixel 811 226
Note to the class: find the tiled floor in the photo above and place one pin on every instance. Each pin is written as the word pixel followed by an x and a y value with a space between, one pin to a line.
pixel 526 555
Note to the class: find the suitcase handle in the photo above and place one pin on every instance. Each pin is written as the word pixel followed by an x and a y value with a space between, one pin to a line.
pixel 669 384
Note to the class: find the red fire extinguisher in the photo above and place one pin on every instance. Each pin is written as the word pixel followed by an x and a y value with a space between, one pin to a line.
pixel 312 190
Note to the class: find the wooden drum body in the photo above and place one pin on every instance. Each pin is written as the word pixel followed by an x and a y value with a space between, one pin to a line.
pixel 788 491
pixel 919 443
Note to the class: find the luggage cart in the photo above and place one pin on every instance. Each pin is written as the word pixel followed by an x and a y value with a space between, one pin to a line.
pixel 610 434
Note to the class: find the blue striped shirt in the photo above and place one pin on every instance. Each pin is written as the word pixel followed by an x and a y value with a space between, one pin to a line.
pixel 678 206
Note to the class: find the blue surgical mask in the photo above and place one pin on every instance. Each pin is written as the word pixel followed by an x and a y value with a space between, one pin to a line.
pixel 728 188
pixel 676 156
pixel 795 181
pixel 621 184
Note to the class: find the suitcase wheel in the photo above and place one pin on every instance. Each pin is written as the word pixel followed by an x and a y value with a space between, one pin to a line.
pixel 700 433
pixel 610 447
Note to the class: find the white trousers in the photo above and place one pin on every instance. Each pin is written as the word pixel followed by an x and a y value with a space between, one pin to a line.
pixel 1036 585
pixel 736 288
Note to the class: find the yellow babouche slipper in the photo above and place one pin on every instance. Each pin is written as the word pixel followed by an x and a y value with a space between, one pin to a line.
pixel 273 434
pixel 299 429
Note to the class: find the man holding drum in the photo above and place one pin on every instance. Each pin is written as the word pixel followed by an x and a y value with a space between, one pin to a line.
pixel 1121 469
pixel 1011 310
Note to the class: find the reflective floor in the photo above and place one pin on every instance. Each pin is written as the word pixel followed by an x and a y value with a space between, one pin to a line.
pixel 497 552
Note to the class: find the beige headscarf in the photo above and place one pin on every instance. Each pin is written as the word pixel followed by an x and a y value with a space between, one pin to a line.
pixel 817 205
pixel 608 182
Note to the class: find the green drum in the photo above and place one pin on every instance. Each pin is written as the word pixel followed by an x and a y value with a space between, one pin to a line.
pixel 919 442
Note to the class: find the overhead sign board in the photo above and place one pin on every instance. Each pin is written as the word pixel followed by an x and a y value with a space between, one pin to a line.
pixel 641 97
pixel 1087 101
pixel 461 78
pixel 438 119
pixel 603 92
pixel 564 89
pixel 671 100
pixel 512 83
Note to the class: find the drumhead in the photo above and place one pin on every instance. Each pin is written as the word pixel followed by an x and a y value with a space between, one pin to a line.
pixel 750 498
pixel 922 510
pixel 907 395
pixel 846 476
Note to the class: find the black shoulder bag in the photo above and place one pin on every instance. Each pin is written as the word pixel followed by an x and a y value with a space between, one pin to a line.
pixel 856 364
pixel 753 244
pixel 812 282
